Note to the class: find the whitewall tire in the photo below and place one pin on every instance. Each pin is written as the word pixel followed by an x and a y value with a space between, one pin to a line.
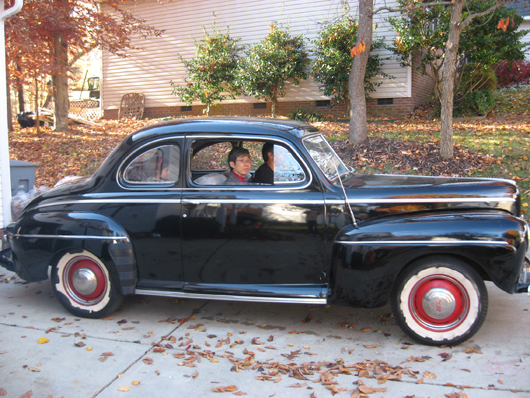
pixel 440 301
pixel 82 284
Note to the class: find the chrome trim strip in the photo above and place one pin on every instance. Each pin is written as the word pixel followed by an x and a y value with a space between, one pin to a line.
pixel 431 200
pixel 254 201
pixel 274 201
pixel 187 200
pixel 124 238
pixel 250 299
pixel 440 177
pixel 423 242
pixel 109 201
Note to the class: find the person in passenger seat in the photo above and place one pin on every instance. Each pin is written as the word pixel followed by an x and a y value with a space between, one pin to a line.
pixel 265 173
pixel 239 162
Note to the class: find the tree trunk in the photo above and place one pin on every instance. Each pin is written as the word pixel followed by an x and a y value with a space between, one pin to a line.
pixel 20 91
pixel 273 108
pixel 60 83
pixel 358 122
pixel 448 80
pixel 37 121
pixel 9 110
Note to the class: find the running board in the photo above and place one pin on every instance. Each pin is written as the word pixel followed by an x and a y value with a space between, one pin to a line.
pixel 221 297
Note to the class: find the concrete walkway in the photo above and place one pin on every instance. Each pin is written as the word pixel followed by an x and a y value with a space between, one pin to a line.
pixel 154 347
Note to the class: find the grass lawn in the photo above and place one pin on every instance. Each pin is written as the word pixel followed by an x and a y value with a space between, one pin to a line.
pixel 496 146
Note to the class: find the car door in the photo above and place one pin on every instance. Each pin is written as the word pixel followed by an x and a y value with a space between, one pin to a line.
pixel 149 208
pixel 256 239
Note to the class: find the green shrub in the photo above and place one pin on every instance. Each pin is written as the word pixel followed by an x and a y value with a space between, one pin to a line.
pixel 475 103
pixel 477 77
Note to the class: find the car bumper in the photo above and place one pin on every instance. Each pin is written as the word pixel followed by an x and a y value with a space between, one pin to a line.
pixel 524 278
pixel 6 260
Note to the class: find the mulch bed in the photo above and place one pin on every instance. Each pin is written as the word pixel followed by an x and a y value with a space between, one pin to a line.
pixel 410 156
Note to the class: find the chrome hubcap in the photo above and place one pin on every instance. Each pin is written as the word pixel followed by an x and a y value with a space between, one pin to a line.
pixel 84 281
pixel 438 303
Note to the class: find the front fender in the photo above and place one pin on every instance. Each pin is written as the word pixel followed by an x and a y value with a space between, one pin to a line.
pixel 39 239
pixel 368 259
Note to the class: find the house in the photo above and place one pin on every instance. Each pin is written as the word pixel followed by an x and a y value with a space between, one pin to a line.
pixel 523 8
pixel 150 70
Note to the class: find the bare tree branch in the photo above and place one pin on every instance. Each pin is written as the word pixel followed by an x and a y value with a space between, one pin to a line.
pixel 421 5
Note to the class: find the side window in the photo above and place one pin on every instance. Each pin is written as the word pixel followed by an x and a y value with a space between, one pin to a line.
pixel 271 163
pixel 286 167
pixel 159 165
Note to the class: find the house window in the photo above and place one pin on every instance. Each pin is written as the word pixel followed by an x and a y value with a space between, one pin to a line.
pixel 323 104
pixel 260 105
pixel 385 101
pixel 185 108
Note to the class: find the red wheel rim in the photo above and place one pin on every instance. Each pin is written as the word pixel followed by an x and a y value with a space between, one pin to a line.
pixel 439 303
pixel 85 280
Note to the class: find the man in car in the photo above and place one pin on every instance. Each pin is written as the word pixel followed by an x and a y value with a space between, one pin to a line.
pixel 265 173
pixel 239 162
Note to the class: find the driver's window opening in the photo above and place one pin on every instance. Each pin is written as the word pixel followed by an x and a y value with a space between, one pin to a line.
pixel 160 165
pixel 270 163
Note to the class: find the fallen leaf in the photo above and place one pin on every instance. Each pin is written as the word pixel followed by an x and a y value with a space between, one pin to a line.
pixel 43 340
pixel 371 346
pixel 124 388
pixel 472 350
pixel 148 361
pixel 230 388
pixel 3 392
pixel 80 344
pixel 369 390
pixel 135 383
pixel 34 369
pixel 298 385
pixel 429 375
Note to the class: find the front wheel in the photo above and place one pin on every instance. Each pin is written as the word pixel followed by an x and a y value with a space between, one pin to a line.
pixel 82 284
pixel 439 301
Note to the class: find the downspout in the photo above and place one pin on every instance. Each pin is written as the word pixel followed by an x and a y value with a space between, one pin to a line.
pixel 4 141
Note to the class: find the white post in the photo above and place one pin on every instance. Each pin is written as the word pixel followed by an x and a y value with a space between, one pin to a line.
pixel 5 176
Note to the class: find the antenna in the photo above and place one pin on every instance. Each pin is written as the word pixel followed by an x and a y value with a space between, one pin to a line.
pixel 346 197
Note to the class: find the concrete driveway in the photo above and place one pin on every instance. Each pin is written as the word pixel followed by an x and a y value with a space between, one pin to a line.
pixel 159 347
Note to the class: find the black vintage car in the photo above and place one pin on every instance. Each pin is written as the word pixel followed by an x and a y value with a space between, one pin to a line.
pixel 159 218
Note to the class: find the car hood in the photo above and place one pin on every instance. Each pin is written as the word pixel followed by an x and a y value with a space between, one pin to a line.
pixel 385 194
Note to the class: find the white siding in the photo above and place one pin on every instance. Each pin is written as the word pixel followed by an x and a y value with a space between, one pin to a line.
pixel 526 39
pixel 151 70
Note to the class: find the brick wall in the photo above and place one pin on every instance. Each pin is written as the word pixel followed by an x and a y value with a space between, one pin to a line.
pixel 422 86
pixel 400 107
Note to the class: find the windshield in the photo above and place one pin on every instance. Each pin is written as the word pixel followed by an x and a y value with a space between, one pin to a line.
pixel 326 158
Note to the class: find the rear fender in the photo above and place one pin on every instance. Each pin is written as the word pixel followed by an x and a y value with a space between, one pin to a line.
pixel 39 240
pixel 367 260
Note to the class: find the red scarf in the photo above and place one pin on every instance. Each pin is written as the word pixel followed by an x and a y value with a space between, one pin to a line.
pixel 242 179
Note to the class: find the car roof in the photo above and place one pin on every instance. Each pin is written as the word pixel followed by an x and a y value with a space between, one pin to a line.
pixel 201 125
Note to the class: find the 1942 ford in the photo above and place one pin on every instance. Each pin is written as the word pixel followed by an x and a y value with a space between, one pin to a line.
pixel 158 218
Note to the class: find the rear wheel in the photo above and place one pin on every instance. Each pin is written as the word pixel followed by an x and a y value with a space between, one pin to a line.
pixel 82 284
pixel 440 301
